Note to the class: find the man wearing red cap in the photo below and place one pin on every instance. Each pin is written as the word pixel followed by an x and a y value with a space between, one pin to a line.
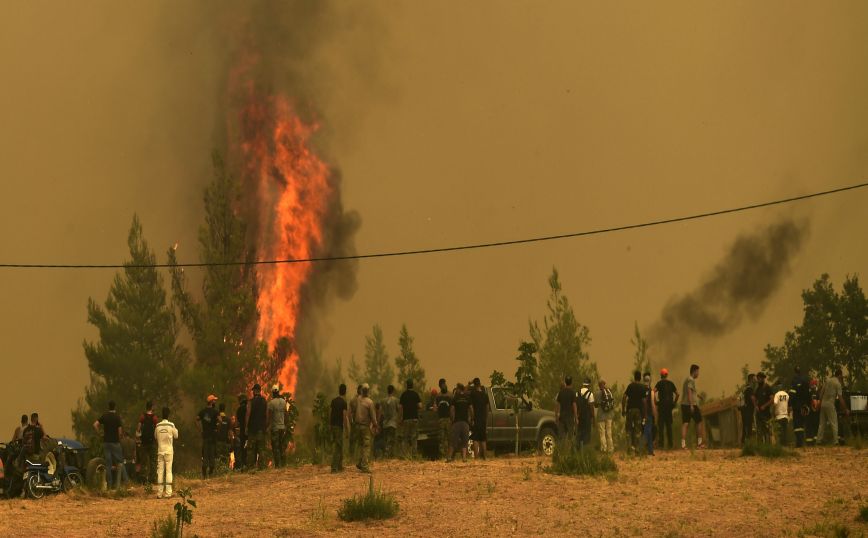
pixel 206 420
pixel 666 396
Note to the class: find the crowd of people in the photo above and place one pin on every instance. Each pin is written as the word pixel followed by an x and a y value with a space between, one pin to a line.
pixel 240 440
pixel 462 414
pixel 805 405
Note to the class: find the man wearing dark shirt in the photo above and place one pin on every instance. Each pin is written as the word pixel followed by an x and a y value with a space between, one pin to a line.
pixel 566 410
pixel 409 415
pixel 763 395
pixel 207 422
pixel 256 414
pixel 666 397
pixel 748 409
pixel 145 432
pixel 443 402
pixel 241 433
pixel 800 400
pixel 460 412
pixel 479 429
pixel 633 407
pixel 339 421
pixel 111 444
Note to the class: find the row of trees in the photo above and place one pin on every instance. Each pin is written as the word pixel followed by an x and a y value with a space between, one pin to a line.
pixel 377 369
pixel 137 356
pixel 833 334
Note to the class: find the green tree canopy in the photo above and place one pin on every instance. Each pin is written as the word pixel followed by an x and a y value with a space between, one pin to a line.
pixel 136 357
pixel 408 363
pixel 562 342
pixel 641 360
pixel 833 334
pixel 378 371
pixel 223 323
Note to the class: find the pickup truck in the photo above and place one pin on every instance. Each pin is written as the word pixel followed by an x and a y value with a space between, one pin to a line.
pixel 537 426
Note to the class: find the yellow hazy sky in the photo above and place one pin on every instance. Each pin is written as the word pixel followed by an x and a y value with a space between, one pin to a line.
pixel 452 123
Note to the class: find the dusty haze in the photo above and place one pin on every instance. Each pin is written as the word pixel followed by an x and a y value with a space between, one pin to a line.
pixel 450 123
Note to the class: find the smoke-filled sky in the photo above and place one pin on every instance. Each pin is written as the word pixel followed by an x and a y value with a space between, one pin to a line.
pixel 451 123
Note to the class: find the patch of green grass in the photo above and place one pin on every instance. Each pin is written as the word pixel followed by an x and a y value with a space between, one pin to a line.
pixel 570 461
pixel 825 530
pixel 863 514
pixel 525 473
pixel 767 451
pixel 375 504
pixel 164 528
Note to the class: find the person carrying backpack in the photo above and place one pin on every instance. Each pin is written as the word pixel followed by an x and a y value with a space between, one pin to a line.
pixel 605 402
pixel 145 433
pixel 666 397
pixel 586 412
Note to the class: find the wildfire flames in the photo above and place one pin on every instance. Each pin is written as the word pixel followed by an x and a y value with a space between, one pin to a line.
pixel 292 195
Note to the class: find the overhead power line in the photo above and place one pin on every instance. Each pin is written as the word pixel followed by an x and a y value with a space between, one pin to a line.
pixel 473 246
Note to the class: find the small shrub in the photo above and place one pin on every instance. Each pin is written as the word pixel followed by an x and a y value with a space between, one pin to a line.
pixel 568 460
pixel 863 514
pixel 164 528
pixel 372 505
pixel 766 450
pixel 525 473
pixel 826 530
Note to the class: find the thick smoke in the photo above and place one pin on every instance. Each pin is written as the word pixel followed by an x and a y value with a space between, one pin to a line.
pixel 737 289
pixel 278 48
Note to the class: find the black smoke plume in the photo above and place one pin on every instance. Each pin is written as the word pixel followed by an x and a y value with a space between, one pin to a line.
pixel 737 289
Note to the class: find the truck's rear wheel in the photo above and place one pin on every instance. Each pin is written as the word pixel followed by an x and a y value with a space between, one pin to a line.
pixel 547 441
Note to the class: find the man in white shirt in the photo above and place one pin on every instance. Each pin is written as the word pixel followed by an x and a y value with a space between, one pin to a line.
pixel 165 433
pixel 780 404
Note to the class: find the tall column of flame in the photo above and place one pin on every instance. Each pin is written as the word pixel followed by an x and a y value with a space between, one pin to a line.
pixel 292 195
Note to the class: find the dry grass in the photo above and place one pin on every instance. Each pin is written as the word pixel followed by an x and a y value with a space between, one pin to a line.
pixel 718 494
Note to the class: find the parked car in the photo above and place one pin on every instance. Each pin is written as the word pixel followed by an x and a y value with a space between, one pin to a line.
pixel 536 427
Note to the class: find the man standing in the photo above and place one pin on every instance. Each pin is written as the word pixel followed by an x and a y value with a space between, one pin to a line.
pixel 145 433
pixel 224 436
pixel 690 409
pixel 390 411
pixel 19 431
pixel 567 410
pixel 256 424
pixel 800 402
pixel 443 402
pixel 460 413
pixel 586 412
pixel 339 421
pixel 165 433
pixel 748 409
pixel 354 429
pixel 206 420
pixel 31 438
pixel 813 422
pixel 241 433
pixel 650 412
pixel 479 426
pixel 366 422
pixel 781 403
pixel 409 414
pixel 276 420
pixel 666 397
pixel 606 403
pixel 832 390
pixel 633 407
pixel 763 395
pixel 111 444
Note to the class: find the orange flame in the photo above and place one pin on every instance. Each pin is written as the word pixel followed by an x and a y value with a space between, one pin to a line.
pixel 293 191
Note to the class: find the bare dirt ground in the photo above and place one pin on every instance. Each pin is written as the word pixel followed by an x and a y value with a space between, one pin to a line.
pixel 707 493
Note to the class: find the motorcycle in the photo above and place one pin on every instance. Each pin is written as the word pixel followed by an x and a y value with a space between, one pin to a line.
pixel 52 476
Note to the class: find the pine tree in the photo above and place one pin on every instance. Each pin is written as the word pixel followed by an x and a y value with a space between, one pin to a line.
pixel 408 363
pixel 137 357
pixel 223 324
pixel 641 361
pixel 561 342
pixel 378 370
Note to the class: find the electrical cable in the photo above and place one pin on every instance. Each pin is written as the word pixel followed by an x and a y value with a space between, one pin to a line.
pixel 456 248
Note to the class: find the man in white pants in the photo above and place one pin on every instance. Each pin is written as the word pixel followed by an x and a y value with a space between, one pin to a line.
pixel 165 433
pixel 604 400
